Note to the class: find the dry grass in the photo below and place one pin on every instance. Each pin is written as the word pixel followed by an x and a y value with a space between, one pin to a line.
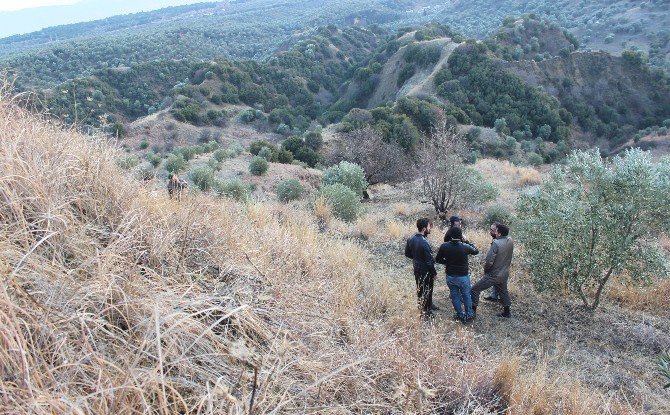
pixel 652 299
pixel 529 177
pixel 117 301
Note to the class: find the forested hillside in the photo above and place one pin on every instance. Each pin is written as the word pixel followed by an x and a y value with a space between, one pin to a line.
pixel 254 29
pixel 529 82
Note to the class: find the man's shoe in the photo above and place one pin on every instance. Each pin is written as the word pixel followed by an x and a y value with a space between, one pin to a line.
pixel 491 299
pixel 474 310
pixel 468 320
pixel 506 313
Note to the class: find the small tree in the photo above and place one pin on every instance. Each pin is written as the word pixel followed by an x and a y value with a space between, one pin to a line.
pixel 266 153
pixel 382 161
pixel 234 189
pixel 348 174
pixel 258 166
pixel 593 220
pixel 175 163
pixel 203 177
pixel 289 189
pixel 447 182
pixel 343 201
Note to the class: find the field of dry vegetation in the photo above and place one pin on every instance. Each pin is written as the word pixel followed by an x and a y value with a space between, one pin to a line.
pixel 117 300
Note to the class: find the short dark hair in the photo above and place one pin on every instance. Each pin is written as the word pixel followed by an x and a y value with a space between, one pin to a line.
pixel 422 223
pixel 502 228
pixel 456 233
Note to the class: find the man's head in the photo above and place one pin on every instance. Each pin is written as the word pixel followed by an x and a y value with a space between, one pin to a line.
pixel 499 230
pixel 455 221
pixel 456 233
pixel 424 225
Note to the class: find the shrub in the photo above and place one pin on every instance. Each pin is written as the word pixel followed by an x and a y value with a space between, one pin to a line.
pixel 145 171
pixel 144 144
pixel 258 145
pixel 236 149
pixel 214 164
pixel 348 174
pixel 258 166
pixel 203 177
pixel 344 202
pixel 497 214
pixel 592 221
pixel 284 157
pixel 220 155
pixel 175 163
pixel 535 159
pixel 234 189
pixel 266 153
pixel 664 367
pixel 314 140
pixel 289 189
pixel 153 158
pixel 128 162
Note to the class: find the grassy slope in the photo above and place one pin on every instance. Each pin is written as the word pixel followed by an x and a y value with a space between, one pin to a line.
pixel 117 300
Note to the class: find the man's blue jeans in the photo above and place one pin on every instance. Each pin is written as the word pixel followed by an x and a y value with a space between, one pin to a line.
pixel 459 291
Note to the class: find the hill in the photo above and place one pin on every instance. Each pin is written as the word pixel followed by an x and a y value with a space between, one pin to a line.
pixel 117 299
pixel 254 29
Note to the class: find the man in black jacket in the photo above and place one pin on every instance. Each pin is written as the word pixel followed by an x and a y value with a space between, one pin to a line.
pixel 418 249
pixel 454 255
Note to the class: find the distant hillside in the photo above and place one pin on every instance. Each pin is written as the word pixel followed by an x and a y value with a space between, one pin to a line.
pixel 254 29
pixel 540 105
pixel 545 99
pixel 298 83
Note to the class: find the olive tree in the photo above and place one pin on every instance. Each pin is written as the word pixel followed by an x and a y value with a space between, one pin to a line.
pixel 594 220
pixel 446 181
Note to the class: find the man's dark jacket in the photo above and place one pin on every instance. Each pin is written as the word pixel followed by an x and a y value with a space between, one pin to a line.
pixel 418 249
pixel 454 255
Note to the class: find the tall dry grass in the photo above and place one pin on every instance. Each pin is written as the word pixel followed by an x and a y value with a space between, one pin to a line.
pixel 117 301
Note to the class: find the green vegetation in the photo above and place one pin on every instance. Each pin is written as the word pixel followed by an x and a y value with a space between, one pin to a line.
pixel 348 174
pixel 289 189
pixel 593 221
pixel 664 367
pixel 203 177
pixel 258 166
pixel 174 163
pixel 234 189
pixel 343 201
pixel 476 83
pixel 497 214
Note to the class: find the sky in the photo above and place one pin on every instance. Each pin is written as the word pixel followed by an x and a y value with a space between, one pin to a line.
pixel 7 5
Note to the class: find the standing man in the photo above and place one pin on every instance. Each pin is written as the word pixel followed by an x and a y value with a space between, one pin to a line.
pixel 496 269
pixel 454 255
pixel 418 249
pixel 454 222
pixel 493 296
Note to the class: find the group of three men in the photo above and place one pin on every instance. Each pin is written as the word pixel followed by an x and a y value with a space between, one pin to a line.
pixel 453 253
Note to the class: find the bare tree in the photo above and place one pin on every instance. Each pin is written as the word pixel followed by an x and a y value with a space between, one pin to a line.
pixel 446 180
pixel 383 162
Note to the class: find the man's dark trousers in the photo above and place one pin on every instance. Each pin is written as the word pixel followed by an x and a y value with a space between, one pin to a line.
pixel 500 282
pixel 424 290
